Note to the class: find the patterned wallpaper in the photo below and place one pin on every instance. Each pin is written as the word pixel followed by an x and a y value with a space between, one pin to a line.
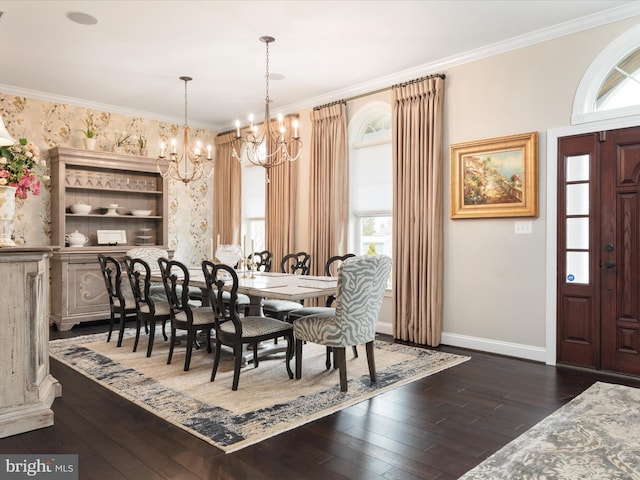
pixel 57 124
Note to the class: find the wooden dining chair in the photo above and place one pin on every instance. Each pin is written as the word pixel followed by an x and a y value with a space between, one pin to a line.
pixel 297 264
pixel 149 311
pixel 235 332
pixel 262 260
pixel 361 284
pixel 121 301
pixel 150 255
pixel 184 316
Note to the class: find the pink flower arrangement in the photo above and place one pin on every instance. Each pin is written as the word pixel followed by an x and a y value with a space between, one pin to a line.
pixel 22 167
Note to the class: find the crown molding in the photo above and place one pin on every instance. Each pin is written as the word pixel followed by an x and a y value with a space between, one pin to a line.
pixel 539 36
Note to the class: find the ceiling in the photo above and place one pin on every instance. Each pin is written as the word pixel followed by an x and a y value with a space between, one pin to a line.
pixel 130 61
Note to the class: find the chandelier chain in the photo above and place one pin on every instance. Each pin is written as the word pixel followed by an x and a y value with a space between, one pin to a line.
pixel 185 102
pixel 267 74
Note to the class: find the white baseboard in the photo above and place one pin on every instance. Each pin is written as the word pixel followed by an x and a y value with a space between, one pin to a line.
pixel 385 328
pixel 528 352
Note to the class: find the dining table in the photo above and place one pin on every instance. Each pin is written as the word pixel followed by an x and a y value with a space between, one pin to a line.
pixel 281 286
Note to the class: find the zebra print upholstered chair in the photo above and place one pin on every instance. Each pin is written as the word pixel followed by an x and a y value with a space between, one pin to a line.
pixel 361 284
pixel 330 270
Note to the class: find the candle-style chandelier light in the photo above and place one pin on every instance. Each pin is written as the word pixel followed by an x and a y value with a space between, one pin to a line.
pixel 269 144
pixel 189 164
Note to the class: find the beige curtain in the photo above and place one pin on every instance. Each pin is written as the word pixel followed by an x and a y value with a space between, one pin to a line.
pixel 328 184
pixel 280 214
pixel 227 192
pixel 417 210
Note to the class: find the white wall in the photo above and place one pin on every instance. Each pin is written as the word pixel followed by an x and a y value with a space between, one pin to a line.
pixel 494 279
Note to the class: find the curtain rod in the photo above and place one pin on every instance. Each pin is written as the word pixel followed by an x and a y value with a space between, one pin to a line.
pixel 384 89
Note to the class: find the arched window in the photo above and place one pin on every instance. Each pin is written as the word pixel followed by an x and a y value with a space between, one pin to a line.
pixel 370 180
pixel 621 88
pixel 376 127
pixel 610 88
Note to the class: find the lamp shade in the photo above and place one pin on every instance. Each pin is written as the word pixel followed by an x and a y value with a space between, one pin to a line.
pixel 5 138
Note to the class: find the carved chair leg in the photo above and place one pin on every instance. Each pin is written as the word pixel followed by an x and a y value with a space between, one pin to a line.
pixel 371 361
pixel 152 336
pixel 298 358
pixel 237 364
pixel 111 321
pixel 289 354
pixel 121 334
pixel 164 329
pixel 190 341
pixel 216 360
pixel 209 341
pixel 255 355
pixel 138 327
pixel 173 342
pixel 341 360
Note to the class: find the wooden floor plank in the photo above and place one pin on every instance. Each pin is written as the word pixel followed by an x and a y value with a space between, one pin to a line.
pixel 436 428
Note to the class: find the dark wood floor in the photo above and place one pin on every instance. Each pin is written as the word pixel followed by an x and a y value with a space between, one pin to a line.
pixel 435 428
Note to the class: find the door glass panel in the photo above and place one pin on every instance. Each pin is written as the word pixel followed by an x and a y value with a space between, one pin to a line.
pixel 577 168
pixel 577 267
pixel 578 199
pixel 577 233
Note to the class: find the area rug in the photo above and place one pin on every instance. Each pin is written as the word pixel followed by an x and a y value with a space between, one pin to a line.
pixel 266 403
pixel 596 436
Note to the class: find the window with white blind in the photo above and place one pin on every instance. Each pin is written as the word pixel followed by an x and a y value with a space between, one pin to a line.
pixel 371 180
pixel 253 205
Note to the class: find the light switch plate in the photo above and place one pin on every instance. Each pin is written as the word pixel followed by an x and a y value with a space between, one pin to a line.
pixel 523 227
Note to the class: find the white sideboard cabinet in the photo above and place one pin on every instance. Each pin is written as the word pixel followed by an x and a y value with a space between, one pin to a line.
pixel 27 389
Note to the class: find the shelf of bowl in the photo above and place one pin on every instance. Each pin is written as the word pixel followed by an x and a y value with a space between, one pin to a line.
pixel 85 210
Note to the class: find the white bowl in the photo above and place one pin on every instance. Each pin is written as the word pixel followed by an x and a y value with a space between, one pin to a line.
pixel 82 208
pixel 140 213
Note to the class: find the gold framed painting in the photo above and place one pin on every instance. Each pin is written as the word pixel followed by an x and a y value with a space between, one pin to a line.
pixel 497 177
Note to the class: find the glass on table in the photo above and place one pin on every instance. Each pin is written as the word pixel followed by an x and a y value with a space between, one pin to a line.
pixel 229 254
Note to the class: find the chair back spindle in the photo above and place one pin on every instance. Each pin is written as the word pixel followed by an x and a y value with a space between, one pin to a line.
pixel 262 260
pixel 296 263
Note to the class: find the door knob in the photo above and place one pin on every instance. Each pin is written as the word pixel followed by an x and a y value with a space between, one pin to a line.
pixel 608 247
pixel 609 264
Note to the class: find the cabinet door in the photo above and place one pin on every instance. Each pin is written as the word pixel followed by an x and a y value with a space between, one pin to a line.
pixel 86 292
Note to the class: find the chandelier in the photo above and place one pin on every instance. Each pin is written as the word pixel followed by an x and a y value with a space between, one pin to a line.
pixel 189 164
pixel 271 144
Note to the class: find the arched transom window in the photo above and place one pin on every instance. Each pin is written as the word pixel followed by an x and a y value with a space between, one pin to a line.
pixel 621 88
